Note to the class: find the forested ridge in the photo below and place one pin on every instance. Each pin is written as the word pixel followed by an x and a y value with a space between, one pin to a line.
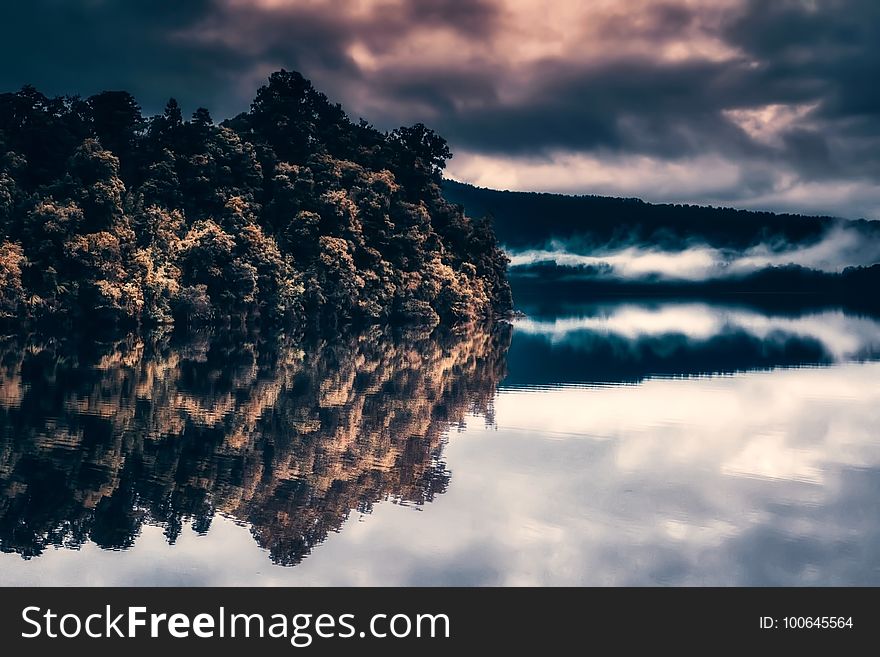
pixel 290 214
pixel 598 226
pixel 531 219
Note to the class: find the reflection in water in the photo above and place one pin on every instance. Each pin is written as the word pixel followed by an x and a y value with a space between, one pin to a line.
pixel 288 438
pixel 763 478
pixel 629 443
pixel 629 342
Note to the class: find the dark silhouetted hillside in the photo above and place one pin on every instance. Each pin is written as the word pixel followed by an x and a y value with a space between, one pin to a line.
pixel 528 220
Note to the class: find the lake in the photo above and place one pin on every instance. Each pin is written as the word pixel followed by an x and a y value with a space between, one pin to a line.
pixel 634 442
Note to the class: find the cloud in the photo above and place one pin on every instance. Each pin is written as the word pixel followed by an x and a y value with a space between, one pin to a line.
pixel 709 179
pixel 703 176
pixel 784 87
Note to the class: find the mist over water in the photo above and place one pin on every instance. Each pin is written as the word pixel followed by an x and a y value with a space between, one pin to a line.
pixel 841 247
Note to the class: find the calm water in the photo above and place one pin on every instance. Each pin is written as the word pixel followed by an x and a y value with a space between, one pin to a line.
pixel 619 444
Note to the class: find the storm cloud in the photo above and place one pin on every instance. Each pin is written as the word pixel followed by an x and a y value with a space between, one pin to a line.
pixel 734 102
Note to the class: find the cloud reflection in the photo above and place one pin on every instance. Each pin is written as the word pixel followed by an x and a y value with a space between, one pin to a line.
pixel 842 335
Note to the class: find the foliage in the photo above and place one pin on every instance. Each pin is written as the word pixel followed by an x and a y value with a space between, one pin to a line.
pixel 289 213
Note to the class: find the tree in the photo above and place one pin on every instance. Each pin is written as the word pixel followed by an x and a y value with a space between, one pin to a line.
pixel 12 261
pixel 172 114
pixel 97 185
pixel 201 118
pixel 43 131
pixel 117 122
pixel 164 130
pixel 419 155
pixel 294 118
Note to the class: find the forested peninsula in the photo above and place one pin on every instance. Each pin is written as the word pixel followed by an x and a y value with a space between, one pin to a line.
pixel 290 214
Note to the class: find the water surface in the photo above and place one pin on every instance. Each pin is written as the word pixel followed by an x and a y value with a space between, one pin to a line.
pixel 636 443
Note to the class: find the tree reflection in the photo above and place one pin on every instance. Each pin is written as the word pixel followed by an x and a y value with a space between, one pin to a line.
pixel 287 436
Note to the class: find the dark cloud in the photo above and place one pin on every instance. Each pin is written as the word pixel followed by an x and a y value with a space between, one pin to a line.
pixel 86 47
pixel 633 105
pixel 661 79
pixel 472 17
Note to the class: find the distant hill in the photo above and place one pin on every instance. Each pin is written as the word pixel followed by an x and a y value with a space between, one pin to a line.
pixel 773 288
pixel 528 219
pixel 590 247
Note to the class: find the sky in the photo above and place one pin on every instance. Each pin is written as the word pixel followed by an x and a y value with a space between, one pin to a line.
pixel 746 103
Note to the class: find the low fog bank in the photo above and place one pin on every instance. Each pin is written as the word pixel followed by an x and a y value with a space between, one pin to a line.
pixel 841 247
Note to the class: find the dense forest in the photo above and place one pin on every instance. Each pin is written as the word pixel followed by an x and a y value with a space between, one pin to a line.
pixel 789 287
pixel 290 213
